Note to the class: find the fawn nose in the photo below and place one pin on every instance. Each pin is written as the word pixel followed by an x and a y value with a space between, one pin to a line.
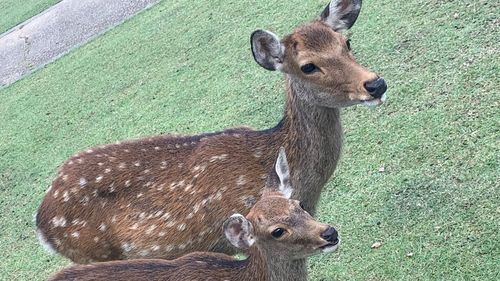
pixel 331 235
pixel 376 88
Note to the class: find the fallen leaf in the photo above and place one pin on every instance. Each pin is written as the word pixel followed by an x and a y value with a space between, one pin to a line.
pixel 376 245
pixel 409 255
pixel 381 169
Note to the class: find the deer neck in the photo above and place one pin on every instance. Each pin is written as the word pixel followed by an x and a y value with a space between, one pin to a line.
pixel 313 135
pixel 267 265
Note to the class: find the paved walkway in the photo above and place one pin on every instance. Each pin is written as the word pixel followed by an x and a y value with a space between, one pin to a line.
pixel 52 33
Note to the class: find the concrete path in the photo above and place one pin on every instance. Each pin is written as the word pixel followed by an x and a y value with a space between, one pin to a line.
pixel 57 30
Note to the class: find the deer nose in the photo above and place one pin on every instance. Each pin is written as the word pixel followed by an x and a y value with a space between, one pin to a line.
pixel 330 234
pixel 376 88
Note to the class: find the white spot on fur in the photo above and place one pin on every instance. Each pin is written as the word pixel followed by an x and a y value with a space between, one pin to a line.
pixel 181 227
pixel 257 153
pixel 102 227
pixel 182 246
pixel 127 247
pixel 137 163
pixel 165 216
pixel 56 193
pixel 59 221
pixel 65 196
pixel 89 151
pixel 146 171
pixel 139 195
pixel 99 178
pixel 127 183
pixel 100 164
pixel 169 248
pixel 175 185
pixel 157 148
pixel 65 177
pixel 79 160
pixel 75 234
pixel 189 216
pixel 122 165
pixel 143 253
pixel 107 170
pixel 161 233
pixel 188 187
pixel 83 182
pixel 155 248
pixel 218 158
pixel 134 226
pixel 241 180
pixel 158 213
pixel 150 229
pixel 126 150
pixel 113 219
pixel 96 239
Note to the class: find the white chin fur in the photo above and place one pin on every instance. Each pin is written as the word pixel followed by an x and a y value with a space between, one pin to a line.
pixel 376 102
pixel 330 249
pixel 383 98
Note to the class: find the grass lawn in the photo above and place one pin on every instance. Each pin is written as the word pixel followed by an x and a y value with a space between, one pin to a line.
pixel 13 12
pixel 435 207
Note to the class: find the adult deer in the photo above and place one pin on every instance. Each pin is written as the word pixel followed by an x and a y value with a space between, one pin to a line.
pixel 275 232
pixel 165 196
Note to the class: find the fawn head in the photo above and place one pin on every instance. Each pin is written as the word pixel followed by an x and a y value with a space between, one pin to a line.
pixel 319 57
pixel 279 224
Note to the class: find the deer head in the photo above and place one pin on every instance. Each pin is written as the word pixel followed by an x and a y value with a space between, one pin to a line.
pixel 279 225
pixel 318 59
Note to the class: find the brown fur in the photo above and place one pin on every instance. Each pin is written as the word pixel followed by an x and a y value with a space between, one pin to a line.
pixel 164 196
pixel 269 258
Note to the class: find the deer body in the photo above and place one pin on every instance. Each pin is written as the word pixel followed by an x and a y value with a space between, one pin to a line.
pixel 275 233
pixel 165 196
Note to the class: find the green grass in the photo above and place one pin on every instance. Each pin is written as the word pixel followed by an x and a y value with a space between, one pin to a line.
pixel 437 136
pixel 14 12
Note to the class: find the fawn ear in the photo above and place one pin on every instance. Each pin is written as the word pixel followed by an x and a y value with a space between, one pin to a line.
pixel 239 231
pixel 283 172
pixel 341 14
pixel 267 49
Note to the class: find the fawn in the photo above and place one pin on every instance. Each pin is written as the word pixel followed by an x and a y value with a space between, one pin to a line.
pixel 164 196
pixel 275 233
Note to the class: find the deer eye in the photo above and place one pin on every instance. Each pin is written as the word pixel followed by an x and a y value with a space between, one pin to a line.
pixel 308 68
pixel 348 43
pixel 278 232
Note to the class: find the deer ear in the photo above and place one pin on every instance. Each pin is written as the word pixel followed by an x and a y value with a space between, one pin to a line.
pixel 239 231
pixel 341 14
pixel 283 172
pixel 267 49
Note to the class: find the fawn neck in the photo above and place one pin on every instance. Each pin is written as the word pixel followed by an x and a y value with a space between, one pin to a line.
pixel 315 138
pixel 267 265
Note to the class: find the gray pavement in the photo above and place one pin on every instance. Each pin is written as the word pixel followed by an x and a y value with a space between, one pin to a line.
pixel 52 33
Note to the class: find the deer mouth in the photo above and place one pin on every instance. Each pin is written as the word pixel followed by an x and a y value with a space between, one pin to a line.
pixel 330 246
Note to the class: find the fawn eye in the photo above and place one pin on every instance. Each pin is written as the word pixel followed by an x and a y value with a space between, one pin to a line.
pixel 278 232
pixel 308 68
pixel 348 43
